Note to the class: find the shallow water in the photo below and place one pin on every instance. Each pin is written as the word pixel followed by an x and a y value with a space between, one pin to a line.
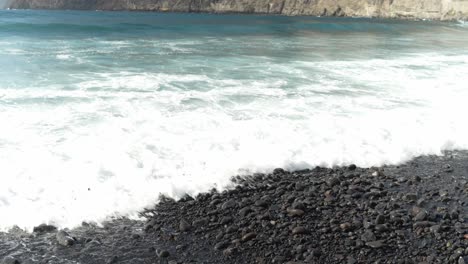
pixel 103 111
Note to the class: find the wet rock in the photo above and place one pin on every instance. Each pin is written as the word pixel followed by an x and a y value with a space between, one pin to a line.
pixel 151 225
pixel 261 203
pixel 411 197
pixel 201 222
pixel 447 168
pixel 297 217
pixel 367 225
pixel 245 211
pixel 248 236
pixel 113 260
pixel 43 228
pixel 422 224
pixel 420 216
pixel 333 181
pixel 368 236
pixel 229 251
pixel 380 220
pixel 221 245
pixel 231 229
pixel 226 220
pixel 229 204
pixel 298 205
pixel 461 260
pixel 435 229
pixel 351 260
pixel 316 252
pixel 375 244
pixel 278 171
pixel 184 226
pixel 346 226
pixel 163 253
pixel 299 230
pixel 294 212
pixel 10 260
pixel 64 239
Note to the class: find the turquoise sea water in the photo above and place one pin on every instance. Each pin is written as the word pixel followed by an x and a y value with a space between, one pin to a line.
pixel 100 111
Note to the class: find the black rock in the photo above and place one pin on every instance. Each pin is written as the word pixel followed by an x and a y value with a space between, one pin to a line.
pixel 113 260
pixel 10 260
pixel 261 203
pixel 151 225
pixel 375 244
pixel 184 226
pixel 380 220
pixel 447 168
pixel 43 228
pixel 278 171
pixel 245 211
pixel 435 229
pixel 163 253
pixel 299 230
pixel 248 236
pixel 333 181
pixel 420 216
pixel 411 197
pixel 64 239
pixel 295 212
pixel 229 204
pixel 346 226
pixel 231 229
pixel 422 224
pixel 221 245
pixel 229 251
pixel 368 236
pixel 298 205
pixel 201 222
pixel 352 260
pixel 226 220
pixel 316 252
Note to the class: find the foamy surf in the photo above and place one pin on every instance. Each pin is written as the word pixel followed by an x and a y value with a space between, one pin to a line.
pixel 96 126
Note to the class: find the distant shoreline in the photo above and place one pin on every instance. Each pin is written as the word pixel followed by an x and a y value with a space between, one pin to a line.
pixel 393 9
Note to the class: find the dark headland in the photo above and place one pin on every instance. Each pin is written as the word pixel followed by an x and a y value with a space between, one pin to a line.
pixel 412 213
pixel 402 9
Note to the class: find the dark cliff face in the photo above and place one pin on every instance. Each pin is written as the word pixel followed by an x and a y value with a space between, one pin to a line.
pixel 57 4
pixel 415 9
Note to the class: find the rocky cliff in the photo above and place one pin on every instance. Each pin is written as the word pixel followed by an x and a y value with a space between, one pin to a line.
pixel 412 9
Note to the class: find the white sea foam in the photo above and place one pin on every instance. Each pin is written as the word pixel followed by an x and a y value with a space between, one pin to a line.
pixel 115 140
pixel 64 56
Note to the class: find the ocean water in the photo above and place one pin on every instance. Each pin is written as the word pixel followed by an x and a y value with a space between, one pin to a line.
pixel 101 112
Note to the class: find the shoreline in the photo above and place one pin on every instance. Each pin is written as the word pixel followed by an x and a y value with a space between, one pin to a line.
pixel 395 9
pixel 415 212
pixel 402 19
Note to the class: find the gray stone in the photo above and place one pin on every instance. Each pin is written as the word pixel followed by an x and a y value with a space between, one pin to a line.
pixel 10 260
pixel 375 244
pixel 368 236
pixel 295 212
pixel 420 216
pixel 248 236
pixel 229 204
pixel 299 230
pixel 64 239
pixel 184 226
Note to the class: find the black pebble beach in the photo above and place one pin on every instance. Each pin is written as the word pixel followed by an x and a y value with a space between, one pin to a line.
pixel 412 213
